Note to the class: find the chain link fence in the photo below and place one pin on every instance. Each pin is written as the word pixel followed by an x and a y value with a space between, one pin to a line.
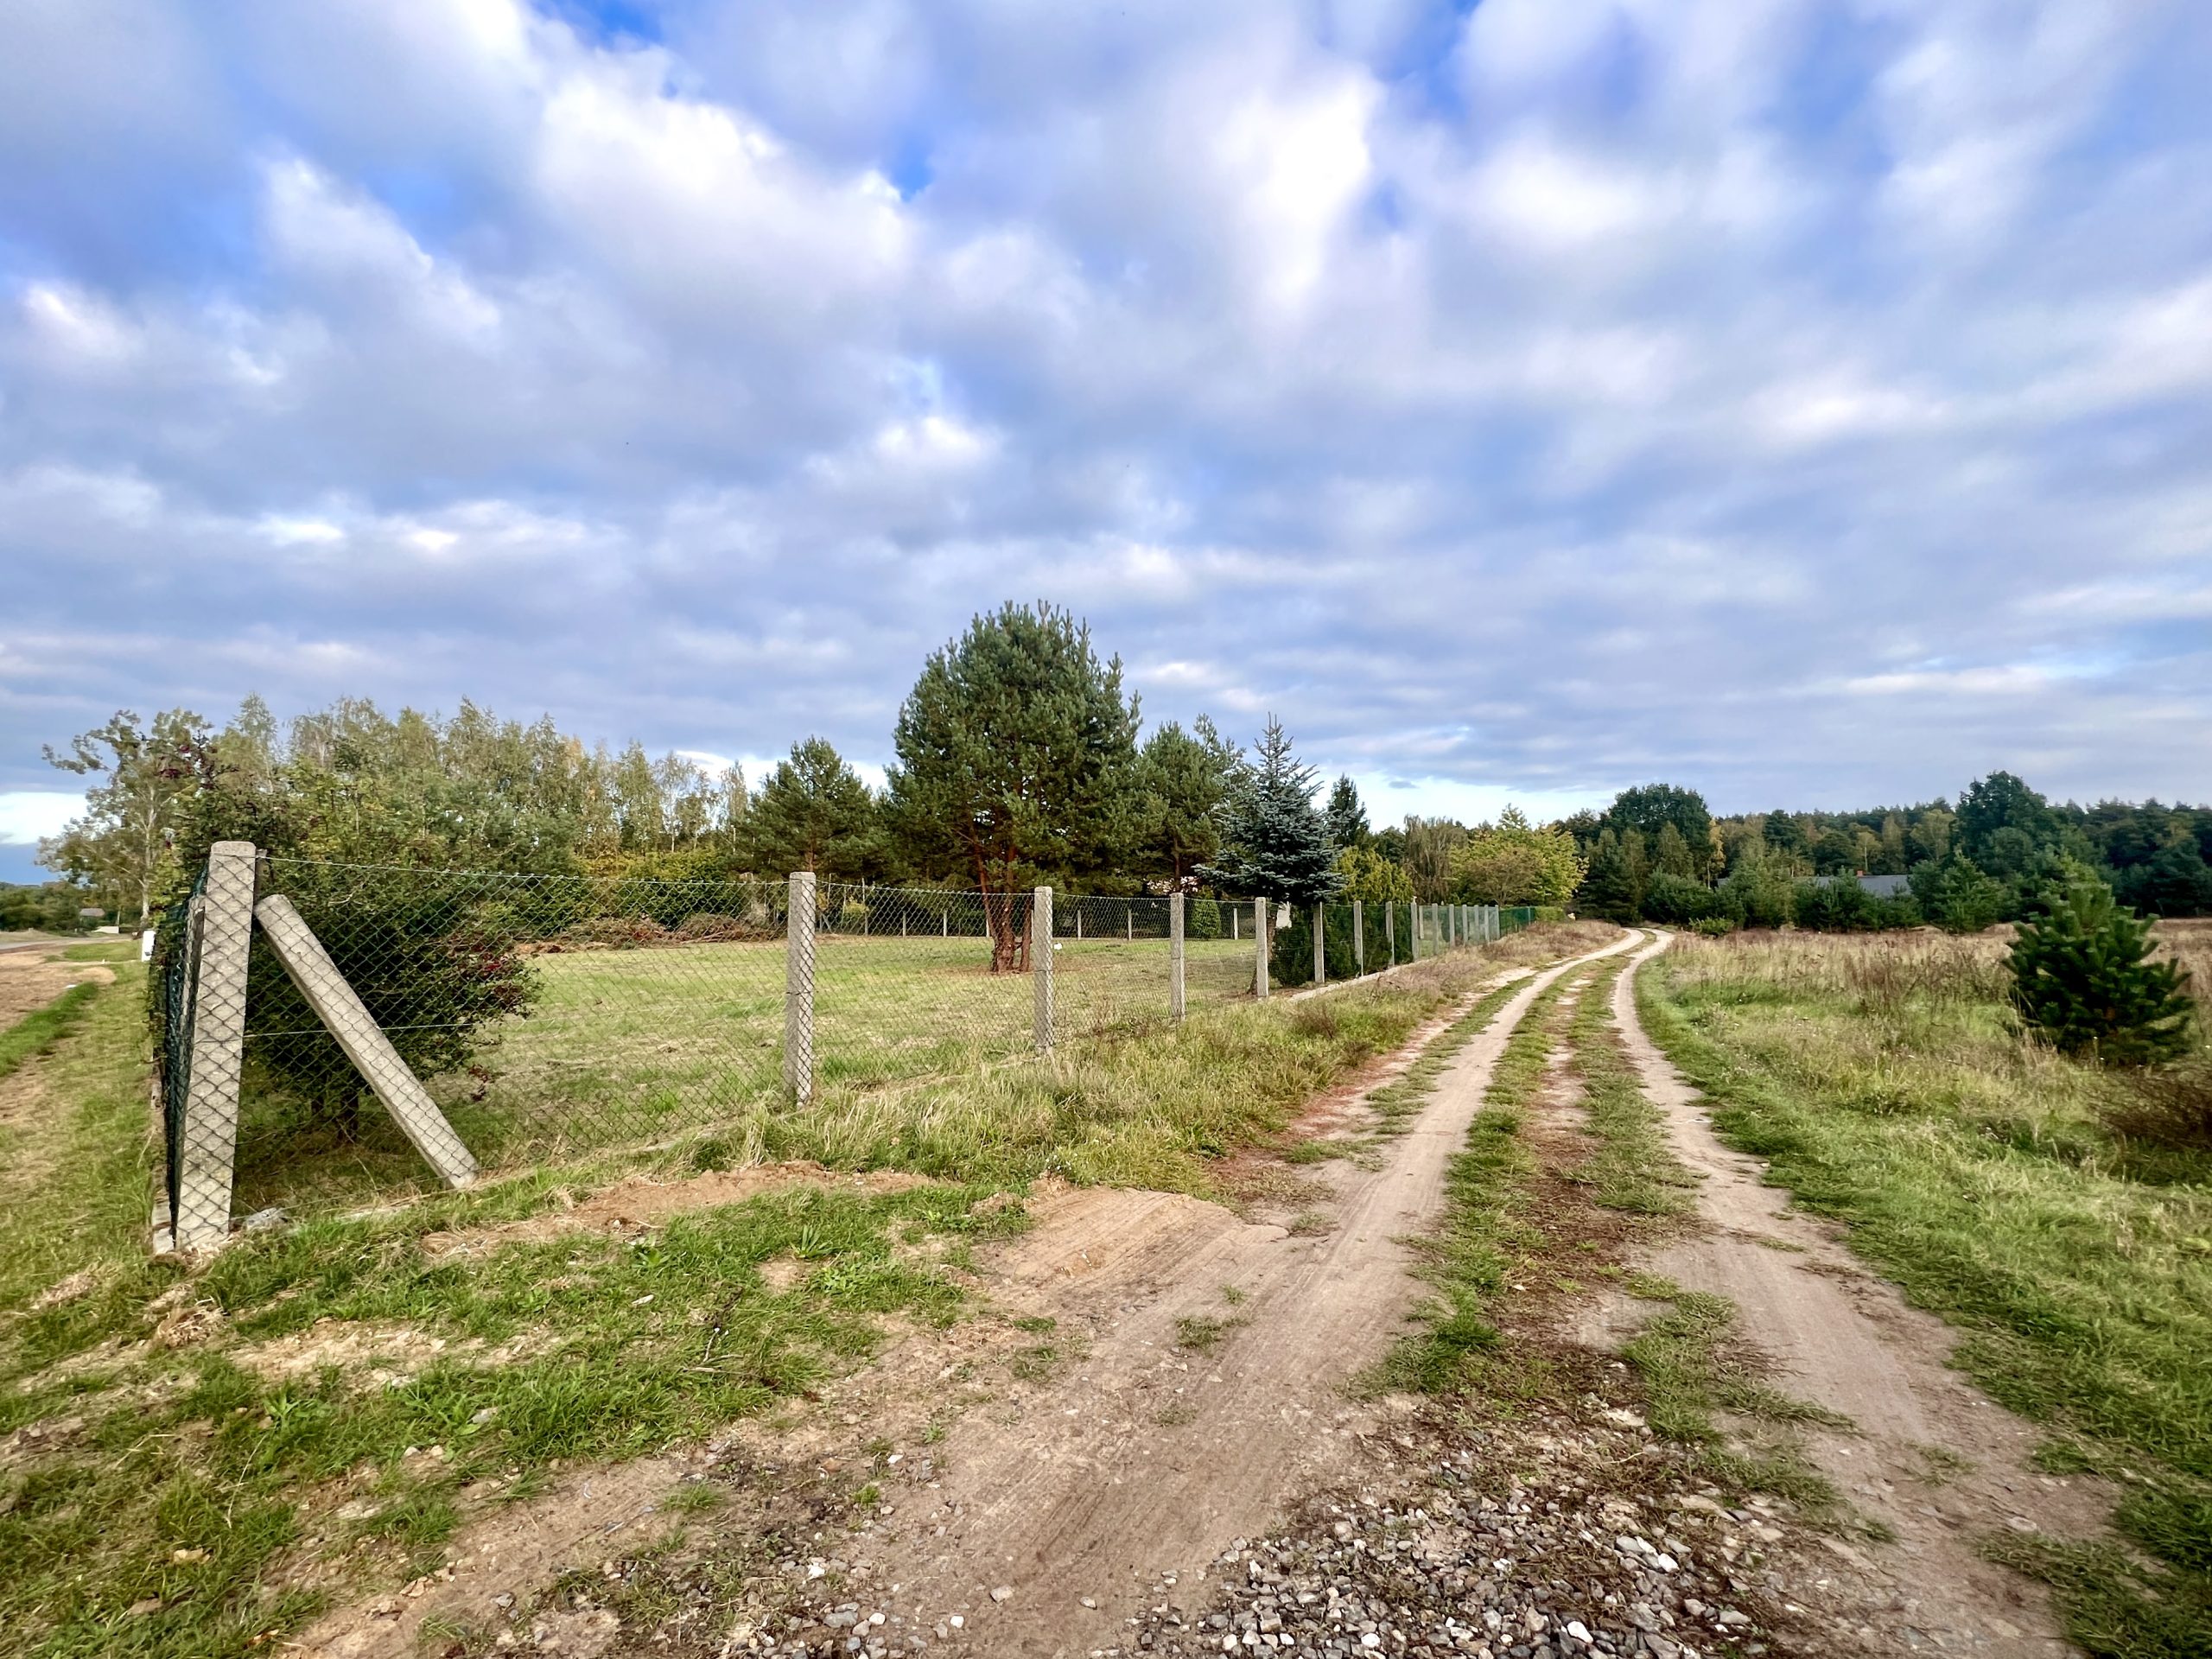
pixel 539 1014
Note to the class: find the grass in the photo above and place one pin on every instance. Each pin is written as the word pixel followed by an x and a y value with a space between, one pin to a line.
pixel 1467 1261
pixel 1693 1368
pixel 41 1028
pixel 1631 1168
pixel 187 1493
pixel 1884 1086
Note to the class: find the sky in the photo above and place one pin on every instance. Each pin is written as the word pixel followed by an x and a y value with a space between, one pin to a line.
pixel 1809 402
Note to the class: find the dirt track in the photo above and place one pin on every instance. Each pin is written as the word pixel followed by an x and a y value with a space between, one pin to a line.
pixel 1089 1496
pixel 1045 1516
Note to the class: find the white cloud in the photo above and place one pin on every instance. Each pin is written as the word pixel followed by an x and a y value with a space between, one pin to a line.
pixel 30 814
pixel 1649 387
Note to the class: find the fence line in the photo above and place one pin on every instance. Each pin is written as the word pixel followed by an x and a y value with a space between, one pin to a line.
pixel 529 1015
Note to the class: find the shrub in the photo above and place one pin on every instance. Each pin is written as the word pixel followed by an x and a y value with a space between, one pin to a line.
pixel 437 966
pixel 1757 894
pixel 1957 897
pixel 2170 1105
pixel 1202 919
pixel 1681 900
pixel 1713 927
pixel 2082 979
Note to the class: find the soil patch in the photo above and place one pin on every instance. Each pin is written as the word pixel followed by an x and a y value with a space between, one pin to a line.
pixel 31 979
pixel 638 1205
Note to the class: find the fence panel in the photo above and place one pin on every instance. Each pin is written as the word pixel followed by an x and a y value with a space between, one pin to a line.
pixel 1219 950
pixel 913 980
pixel 541 1012
pixel 1110 970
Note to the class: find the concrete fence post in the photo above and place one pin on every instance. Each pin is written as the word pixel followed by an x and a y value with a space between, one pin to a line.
pixel 1040 962
pixel 1175 955
pixel 208 1161
pixel 1358 941
pixel 798 989
pixel 1260 950
pixel 1390 929
pixel 1320 945
pixel 341 1009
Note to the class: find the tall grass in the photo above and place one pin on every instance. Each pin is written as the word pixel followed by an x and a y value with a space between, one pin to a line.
pixel 1886 1085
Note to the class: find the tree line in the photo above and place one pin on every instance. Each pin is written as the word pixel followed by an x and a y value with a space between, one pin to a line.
pixel 1020 757
pixel 1657 853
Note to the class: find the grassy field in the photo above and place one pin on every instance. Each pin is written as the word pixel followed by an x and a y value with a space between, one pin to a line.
pixel 173 1493
pixel 638 1044
pixel 1883 1080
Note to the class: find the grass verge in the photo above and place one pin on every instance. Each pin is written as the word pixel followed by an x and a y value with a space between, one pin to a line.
pixel 1972 1171
pixel 41 1028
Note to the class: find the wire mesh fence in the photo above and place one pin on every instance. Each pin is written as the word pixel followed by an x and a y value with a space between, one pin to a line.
pixel 911 981
pixel 540 1014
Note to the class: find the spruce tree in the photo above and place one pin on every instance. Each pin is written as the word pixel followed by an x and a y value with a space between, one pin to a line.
pixel 1275 844
pixel 1347 816
pixel 2082 978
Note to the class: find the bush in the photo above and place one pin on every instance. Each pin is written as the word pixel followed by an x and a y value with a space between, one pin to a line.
pixel 2082 979
pixel 1713 927
pixel 1681 900
pixel 1202 919
pixel 1757 895
pixel 1957 897
pixel 2170 1105
pixel 436 964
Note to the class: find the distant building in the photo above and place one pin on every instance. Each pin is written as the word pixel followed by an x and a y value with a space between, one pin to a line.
pixel 1879 886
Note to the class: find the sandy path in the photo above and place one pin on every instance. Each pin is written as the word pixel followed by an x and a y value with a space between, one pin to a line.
pixel 1150 1458
pixel 31 977
pixel 1846 1339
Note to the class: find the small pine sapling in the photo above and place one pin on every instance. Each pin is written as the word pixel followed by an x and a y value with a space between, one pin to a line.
pixel 2083 980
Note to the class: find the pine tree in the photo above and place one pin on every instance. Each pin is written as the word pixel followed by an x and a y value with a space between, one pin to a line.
pixel 1671 856
pixel 2083 977
pixel 1276 845
pixel 1017 762
pixel 1610 887
pixel 1957 896
pixel 814 813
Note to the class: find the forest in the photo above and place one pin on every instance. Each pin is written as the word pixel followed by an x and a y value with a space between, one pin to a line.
pixel 1021 758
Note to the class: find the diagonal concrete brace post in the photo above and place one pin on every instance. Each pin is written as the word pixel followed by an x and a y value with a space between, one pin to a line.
pixel 363 1040
pixel 210 1128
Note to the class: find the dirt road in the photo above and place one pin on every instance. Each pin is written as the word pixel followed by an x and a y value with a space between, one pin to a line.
pixel 1152 1456
pixel 1183 1391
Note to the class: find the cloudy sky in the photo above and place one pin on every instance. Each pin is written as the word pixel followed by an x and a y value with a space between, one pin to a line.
pixel 1811 402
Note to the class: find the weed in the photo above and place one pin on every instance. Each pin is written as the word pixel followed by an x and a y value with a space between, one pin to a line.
pixel 1177 1414
pixel 1201 1334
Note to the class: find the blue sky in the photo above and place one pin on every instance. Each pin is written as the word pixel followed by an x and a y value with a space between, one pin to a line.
pixel 1808 401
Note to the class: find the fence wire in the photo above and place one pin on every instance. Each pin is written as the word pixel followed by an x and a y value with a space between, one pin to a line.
pixel 911 981
pixel 547 1013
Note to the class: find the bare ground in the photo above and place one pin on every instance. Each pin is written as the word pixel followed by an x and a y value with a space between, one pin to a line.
pixel 1163 1380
